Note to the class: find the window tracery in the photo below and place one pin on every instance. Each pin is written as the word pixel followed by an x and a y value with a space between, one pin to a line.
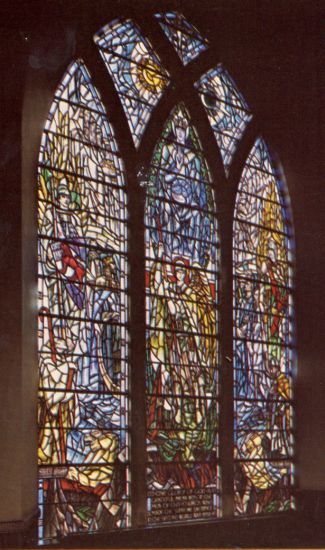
pixel 136 70
pixel 227 110
pixel 185 38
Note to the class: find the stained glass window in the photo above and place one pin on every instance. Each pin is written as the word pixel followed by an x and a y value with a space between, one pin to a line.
pixel 182 329
pixel 136 70
pixel 185 38
pixel 263 339
pixel 226 108
pixel 84 403
pixel 83 449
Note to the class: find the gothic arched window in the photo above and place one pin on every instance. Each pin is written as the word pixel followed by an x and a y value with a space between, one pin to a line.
pixel 154 263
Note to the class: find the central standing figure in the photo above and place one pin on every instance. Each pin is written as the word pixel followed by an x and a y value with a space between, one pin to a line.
pixel 181 219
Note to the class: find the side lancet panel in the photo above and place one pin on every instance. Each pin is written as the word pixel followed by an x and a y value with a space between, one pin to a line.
pixel 182 329
pixel 263 339
pixel 83 421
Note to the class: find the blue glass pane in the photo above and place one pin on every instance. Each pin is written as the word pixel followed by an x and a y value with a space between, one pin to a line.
pixel 185 38
pixel 76 87
pixel 259 157
pixel 226 108
pixel 136 70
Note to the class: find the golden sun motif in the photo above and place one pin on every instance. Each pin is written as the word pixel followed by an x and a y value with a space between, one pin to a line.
pixel 149 76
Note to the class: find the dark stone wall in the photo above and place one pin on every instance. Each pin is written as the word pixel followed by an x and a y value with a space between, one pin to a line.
pixel 273 51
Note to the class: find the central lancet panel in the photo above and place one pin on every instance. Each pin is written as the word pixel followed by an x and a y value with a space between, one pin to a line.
pixel 182 329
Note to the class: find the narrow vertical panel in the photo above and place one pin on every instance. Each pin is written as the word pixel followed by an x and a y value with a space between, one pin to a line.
pixel 83 421
pixel 185 38
pixel 136 70
pixel 182 329
pixel 263 340
pixel 226 108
